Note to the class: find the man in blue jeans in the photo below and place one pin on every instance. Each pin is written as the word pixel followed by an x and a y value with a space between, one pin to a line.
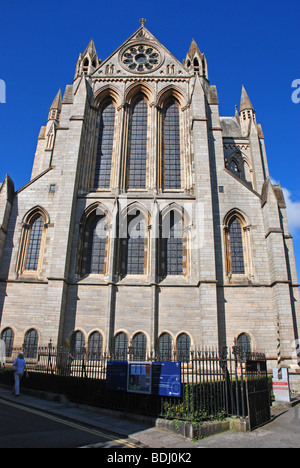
pixel 19 367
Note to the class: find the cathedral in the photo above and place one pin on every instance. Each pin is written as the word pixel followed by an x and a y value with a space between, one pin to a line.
pixel 150 222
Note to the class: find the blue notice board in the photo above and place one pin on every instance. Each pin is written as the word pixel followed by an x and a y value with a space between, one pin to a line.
pixel 166 379
pixel 116 378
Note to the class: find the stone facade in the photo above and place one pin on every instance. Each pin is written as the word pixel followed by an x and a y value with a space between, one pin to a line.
pixel 221 294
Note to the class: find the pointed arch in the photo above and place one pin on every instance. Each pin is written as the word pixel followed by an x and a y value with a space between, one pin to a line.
pixel 37 210
pixel 137 89
pixel 165 347
pixel 183 347
pixel 95 208
pixel 133 207
pixel 171 146
pixel 237 244
pixel 31 340
pixel 244 342
pixel 8 336
pixel 121 341
pixel 106 123
pixel 77 344
pixel 108 92
pixel 94 241
pixel 104 165
pixel 137 148
pixel 239 164
pixel 172 91
pixel 174 241
pixel 134 240
pixel 32 242
pixel 95 346
pixel 139 346
pixel 171 103
pixel 137 107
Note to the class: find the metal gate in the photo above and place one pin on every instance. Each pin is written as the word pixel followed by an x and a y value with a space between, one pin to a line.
pixel 258 395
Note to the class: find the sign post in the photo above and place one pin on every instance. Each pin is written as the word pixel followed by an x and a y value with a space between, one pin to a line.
pixel 281 386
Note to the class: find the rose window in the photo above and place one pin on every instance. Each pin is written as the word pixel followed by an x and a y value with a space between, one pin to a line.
pixel 141 58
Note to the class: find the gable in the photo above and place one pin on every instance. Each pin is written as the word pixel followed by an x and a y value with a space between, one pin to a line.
pixel 142 54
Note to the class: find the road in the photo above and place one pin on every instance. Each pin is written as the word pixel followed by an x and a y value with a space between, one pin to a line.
pixel 24 427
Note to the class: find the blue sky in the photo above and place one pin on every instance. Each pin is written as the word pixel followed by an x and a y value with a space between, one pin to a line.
pixel 252 43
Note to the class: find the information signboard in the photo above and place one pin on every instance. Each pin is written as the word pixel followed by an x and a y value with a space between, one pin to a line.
pixel 116 378
pixel 166 379
pixel 139 377
pixel 157 378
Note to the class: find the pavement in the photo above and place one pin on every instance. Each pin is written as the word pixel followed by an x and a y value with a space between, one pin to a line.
pixel 282 432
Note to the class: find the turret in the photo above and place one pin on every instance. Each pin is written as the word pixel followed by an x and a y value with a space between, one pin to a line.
pixel 247 113
pixel 195 61
pixel 88 61
pixel 55 109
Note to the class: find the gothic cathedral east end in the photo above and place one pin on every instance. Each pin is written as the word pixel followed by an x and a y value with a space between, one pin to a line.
pixel 150 221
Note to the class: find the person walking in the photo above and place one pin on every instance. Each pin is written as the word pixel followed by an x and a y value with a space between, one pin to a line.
pixel 19 367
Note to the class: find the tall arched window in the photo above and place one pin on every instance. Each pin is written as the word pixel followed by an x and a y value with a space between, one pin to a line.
pixel 31 344
pixel 236 246
pixel 93 243
pixel 95 262
pixel 137 145
pixel 133 248
pixel 106 125
pixel 171 170
pixel 139 345
pixel 95 346
pixel 34 245
pixel 173 245
pixel 77 344
pixel 183 347
pixel 165 347
pixel 121 347
pixel 32 241
pixel 244 342
pixel 8 337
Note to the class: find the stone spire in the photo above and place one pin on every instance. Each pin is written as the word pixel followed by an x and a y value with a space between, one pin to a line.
pixel 245 103
pixel 247 114
pixel 55 108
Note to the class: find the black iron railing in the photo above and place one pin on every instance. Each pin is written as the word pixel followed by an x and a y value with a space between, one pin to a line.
pixel 213 381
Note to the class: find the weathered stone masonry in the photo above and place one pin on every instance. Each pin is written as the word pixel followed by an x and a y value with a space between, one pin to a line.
pixel 236 276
